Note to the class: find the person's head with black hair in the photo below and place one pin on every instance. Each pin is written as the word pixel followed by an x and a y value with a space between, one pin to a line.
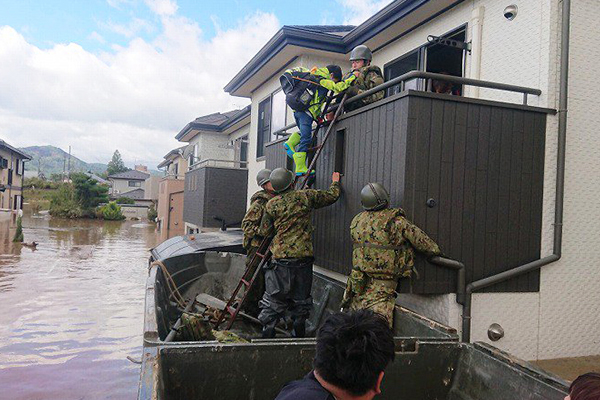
pixel 353 350
pixel 335 72
pixel 585 387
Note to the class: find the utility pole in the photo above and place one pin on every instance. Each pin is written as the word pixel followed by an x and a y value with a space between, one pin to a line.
pixel 69 168
pixel 64 174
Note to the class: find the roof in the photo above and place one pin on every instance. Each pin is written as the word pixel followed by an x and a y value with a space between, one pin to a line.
pixel 130 175
pixel 97 178
pixel 338 39
pixel 216 122
pixel 136 194
pixel 168 158
pixel 24 155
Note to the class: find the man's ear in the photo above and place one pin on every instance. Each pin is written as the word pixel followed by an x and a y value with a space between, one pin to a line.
pixel 378 384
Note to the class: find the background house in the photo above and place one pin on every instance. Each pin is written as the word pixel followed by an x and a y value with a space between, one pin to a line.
pixel 548 313
pixel 12 170
pixel 127 181
pixel 216 180
pixel 170 196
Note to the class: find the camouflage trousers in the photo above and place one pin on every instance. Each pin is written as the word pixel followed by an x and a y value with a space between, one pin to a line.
pixel 379 296
pixel 257 289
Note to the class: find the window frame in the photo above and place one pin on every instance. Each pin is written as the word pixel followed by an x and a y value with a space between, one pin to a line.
pixel 137 184
pixel 260 128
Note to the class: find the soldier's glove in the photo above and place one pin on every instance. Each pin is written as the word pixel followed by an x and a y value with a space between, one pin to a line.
pixel 352 91
pixel 347 299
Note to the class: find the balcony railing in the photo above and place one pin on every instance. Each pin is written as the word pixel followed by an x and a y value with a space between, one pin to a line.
pixel 429 77
pixel 210 162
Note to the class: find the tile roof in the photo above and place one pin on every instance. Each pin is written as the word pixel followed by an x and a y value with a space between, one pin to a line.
pixel 131 174
pixel 136 194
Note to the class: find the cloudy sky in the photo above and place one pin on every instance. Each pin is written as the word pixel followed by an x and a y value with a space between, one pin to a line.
pixel 101 75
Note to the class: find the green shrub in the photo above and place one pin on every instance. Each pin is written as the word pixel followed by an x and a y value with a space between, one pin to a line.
pixel 19 233
pixel 112 212
pixel 125 200
pixel 64 203
pixel 152 213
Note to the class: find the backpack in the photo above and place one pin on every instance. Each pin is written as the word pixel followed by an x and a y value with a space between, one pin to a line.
pixel 300 88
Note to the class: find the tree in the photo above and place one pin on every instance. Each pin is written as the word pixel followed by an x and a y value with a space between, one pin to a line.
pixel 116 165
pixel 112 212
pixel 19 233
pixel 87 191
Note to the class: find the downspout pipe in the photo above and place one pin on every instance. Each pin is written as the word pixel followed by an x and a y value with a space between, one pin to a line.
pixel 560 185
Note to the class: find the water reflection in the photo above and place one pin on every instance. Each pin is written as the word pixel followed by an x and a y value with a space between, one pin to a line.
pixel 72 309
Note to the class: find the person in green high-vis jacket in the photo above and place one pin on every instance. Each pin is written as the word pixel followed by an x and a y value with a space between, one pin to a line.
pixel 329 78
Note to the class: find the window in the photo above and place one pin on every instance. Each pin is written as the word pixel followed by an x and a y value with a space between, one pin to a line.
pixel 435 58
pixel 135 184
pixel 18 166
pixel 10 177
pixel 175 168
pixel 278 115
pixel 264 126
pixel 272 116
pixel 18 203
pixel 241 150
pixel 401 66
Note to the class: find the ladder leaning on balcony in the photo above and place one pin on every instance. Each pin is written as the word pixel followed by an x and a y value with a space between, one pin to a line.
pixel 263 254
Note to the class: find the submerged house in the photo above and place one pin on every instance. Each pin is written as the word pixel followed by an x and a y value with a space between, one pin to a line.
pixel 217 177
pixel 170 194
pixel 12 174
pixel 484 171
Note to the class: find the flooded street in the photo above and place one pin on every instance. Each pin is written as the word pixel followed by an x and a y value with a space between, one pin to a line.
pixel 72 310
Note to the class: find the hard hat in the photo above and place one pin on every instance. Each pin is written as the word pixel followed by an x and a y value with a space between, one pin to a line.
pixel 374 197
pixel 281 179
pixel 263 176
pixel 361 52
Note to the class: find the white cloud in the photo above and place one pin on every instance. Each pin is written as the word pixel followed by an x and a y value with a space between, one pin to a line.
pixel 358 11
pixel 162 7
pixel 135 99
pixel 97 37
pixel 133 28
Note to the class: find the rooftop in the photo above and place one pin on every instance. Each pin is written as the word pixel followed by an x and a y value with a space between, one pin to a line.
pixel 7 146
pixel 216 122
pixel 136 194
pixel 131 175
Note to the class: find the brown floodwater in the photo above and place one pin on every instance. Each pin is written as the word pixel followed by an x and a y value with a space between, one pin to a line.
pixel 72 310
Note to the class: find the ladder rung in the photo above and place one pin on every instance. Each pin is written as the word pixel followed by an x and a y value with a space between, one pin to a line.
pixel 260 255
pixel 245 282
pixel 231 310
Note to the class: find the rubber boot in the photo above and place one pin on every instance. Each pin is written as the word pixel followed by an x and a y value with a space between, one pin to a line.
pixel 291 144
pixel 299 329
pixel 268 330
pixel 300 162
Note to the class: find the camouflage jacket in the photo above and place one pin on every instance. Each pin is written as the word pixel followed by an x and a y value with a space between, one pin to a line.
pixel 369 77
pixel 288 217
pixel 251 221
pixel 391 243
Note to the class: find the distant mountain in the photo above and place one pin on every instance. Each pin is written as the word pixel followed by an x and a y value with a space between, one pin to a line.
pixel 52 160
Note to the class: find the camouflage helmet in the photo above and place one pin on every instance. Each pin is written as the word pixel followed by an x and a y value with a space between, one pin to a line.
pixel 374 197
pixel 361 52
pixel 281 179
pixel 263 176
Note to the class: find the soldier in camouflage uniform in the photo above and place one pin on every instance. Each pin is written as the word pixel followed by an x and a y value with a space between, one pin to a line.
pixel 367 77
pixel 384 251
pixel 288 277
pixel 252 239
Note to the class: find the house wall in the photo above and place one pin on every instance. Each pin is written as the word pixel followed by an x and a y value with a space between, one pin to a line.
pixel 561 319
pixel 151 191
pixel 7 198
pixel 120 186
pixel 170 194
pixel 182 166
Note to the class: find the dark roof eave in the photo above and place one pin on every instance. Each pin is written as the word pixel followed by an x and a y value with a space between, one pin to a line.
pixel 320 41
pixel 286 36
pixel 244 113
pixel 23 155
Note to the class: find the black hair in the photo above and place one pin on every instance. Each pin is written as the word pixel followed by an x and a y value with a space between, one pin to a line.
pixel 353 349
pixel 336 71
pixel 586 387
